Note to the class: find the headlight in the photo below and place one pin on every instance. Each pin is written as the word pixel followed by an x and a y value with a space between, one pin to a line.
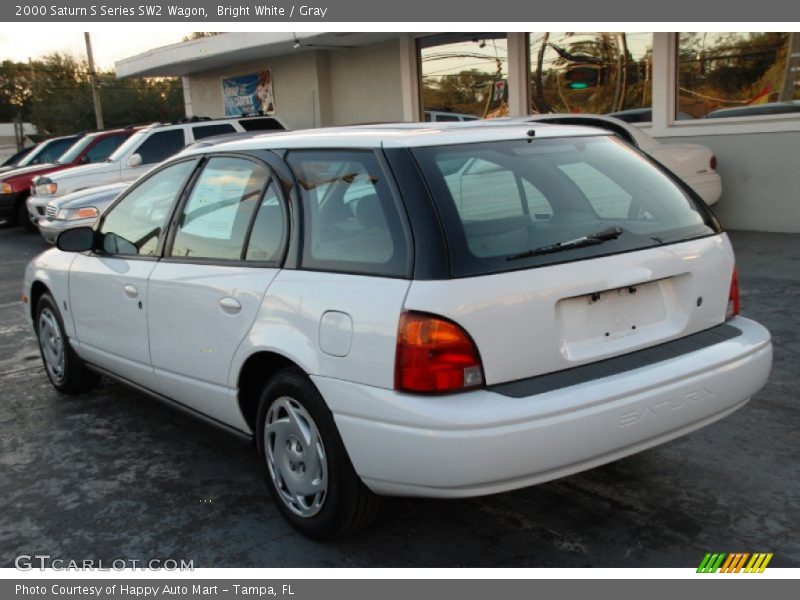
pixel 45 187
pixel 71 214
pixel 6 189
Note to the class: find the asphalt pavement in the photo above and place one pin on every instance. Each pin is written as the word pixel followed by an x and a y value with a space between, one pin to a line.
pixel 115 475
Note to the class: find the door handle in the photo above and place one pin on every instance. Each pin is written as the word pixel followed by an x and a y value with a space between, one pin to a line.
pixel 230 305
pixel 130 291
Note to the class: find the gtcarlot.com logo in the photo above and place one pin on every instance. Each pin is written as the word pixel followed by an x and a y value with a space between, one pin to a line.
pixel 734 562
pixel 28 562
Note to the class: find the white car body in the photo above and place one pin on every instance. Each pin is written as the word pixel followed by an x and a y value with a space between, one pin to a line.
pixel 124 166
pixel 691 162
pixel 540 413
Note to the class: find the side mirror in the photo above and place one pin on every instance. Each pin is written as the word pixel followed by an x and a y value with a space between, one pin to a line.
pixel 79 239
pixel 135 160
pixel 85 160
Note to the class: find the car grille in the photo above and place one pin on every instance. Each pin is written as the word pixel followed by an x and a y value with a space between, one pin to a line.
pixel 51 211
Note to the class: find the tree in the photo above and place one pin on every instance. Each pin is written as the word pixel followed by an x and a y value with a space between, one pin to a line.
pixel 53 93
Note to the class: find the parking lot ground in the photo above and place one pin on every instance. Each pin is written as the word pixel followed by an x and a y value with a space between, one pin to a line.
pixel 114 474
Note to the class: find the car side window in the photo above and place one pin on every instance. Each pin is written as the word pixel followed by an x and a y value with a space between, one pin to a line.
pixel 135 225
pixel 103 149
pixel 266 237
pixel 351 219
pixel 53 151
pixel 203 131
pixel 216 218
pixel 161 145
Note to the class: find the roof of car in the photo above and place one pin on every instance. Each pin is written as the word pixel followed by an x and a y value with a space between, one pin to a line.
pixel 400 135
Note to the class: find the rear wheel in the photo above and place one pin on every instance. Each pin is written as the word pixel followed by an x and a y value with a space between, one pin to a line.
pixel 65 369
pixel 308 472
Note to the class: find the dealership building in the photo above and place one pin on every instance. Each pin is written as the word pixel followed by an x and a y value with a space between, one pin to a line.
pixel 737 93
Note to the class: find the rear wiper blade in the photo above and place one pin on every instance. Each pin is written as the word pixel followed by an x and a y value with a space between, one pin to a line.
pixel 591 239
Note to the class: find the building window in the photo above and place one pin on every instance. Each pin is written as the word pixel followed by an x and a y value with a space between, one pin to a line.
pixel 592 73
pixel 737 74
pixel 464 76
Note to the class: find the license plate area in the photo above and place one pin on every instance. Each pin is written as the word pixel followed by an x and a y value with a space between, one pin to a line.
pixel 591 324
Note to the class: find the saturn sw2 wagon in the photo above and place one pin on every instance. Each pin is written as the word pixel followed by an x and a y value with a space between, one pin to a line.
pixel 409 310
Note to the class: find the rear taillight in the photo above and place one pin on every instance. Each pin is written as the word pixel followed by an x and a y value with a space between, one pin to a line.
pixel 435 355
pixel 733 297
pixel 713 163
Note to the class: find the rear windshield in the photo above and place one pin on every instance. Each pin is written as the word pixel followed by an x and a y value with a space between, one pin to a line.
pixel 512 204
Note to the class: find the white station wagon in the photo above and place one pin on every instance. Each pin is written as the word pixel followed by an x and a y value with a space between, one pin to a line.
pixel 409 310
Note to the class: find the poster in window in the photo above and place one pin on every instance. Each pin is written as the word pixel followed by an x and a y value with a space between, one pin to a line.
pixel 249 94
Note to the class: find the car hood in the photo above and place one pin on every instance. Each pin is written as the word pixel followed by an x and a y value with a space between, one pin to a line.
pixel 23 175
pixel 99 196
pixel 82 170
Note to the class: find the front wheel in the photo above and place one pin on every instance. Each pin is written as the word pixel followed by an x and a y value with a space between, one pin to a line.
pixel 306 466
pixel 65 369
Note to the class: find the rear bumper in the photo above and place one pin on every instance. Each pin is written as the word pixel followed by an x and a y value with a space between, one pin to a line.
pixel 708 187
pixel 484 442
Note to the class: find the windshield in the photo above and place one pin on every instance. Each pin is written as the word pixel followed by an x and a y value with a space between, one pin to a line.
pixel 510 204
pixel 72 153
pixel 131 142
pixel 48 152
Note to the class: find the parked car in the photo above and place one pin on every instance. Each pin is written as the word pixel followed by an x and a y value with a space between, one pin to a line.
pixel 91 148
pixel 693 163
pixel 13 160
pixel 754 110
pixel 15 183
pixel 45 152
pixel 78 209
pixel 407 310
pixel 144 150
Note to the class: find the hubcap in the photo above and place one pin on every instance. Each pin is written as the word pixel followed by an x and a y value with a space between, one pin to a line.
pixel 296 457
pixel 52 344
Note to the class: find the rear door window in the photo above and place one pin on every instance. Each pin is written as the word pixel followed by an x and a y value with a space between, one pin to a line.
pixel 103 149
pixel 351 219
pixel 203 131
pixel 161 145
pixel 53 151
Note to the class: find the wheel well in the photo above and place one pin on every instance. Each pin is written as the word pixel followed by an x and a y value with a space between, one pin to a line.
pixel 256 371
pixel 37 290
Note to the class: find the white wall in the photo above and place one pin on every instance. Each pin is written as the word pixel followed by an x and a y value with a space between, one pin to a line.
pixel 313 89
pixel 366 84
pixel 295 85
pixel 760 179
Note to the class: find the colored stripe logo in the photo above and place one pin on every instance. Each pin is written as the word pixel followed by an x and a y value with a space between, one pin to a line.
pixel 736 562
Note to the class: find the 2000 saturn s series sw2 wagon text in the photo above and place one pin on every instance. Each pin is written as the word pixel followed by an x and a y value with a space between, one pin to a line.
pixel 409 310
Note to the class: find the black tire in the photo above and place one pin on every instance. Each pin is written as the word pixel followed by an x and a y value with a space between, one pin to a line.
pixel 348 505
pixel 74 377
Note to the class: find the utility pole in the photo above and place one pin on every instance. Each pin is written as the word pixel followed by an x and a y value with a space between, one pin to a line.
pixel 98 109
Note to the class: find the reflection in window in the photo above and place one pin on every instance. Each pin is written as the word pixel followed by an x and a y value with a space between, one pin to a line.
pixel 738 74
pixel 591 73
pixel 464 77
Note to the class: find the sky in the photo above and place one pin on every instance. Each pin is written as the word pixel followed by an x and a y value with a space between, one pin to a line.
pixel 108 46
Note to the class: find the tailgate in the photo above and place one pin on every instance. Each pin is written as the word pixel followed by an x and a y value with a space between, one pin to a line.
pixel 540 320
